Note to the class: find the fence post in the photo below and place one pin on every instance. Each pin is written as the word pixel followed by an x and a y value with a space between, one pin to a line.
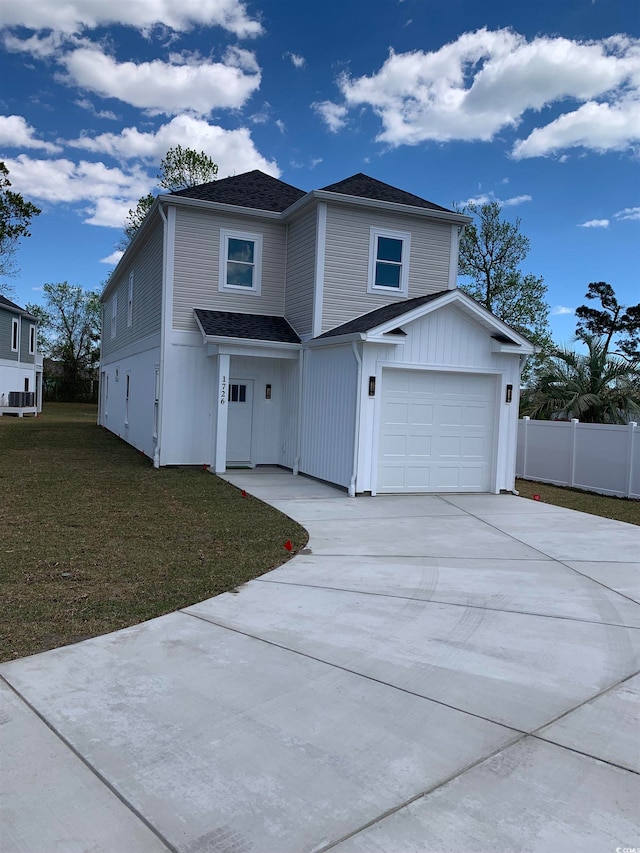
pixel 525 448
pixel 572 472
pixel 632 433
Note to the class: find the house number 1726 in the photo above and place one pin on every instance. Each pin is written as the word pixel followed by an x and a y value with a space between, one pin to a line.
pixel 223 391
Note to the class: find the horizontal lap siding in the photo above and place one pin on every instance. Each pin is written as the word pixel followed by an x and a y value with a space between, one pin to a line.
pixel 25 326
pixel 196 271
pixel 347 260
pixel 301 258
pixel 146 266
pixel 5 336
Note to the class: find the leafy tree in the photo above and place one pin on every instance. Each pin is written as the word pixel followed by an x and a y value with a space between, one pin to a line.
pixel 491 251
pixel 612 319
pixel 69 332
pixel 596 387
pixel 180 168
pixel 15 217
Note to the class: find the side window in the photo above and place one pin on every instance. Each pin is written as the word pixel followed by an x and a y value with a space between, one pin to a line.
pixel 240 261
pixel 130 301
pixel 156 401
pixel 127 395
pixel 114 314
pixel 389 261
pixel 32 340
pixel 15 334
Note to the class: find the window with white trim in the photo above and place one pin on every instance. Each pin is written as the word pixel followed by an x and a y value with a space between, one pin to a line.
pixel 32 339
pixel 15 334
pixel 127 393
pixel 240 261
pixel 114 314
pixel 389 261
pixel 130 302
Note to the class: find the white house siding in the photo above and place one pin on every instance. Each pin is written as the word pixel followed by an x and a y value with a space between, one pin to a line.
pixel 347 260
pixel 329 400
pixel 140 366
pixel 146 266
pixel 196 271
pixel 188 434
pixel 444 339
pixel 301 254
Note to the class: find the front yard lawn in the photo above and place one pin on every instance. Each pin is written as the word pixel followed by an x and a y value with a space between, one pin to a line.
pixel 94 539
pixel 620 509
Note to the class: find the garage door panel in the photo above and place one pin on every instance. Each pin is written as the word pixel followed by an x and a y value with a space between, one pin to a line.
pixel 436 431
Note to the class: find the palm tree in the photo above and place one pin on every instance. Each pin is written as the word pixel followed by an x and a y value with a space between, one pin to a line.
pixel 596 388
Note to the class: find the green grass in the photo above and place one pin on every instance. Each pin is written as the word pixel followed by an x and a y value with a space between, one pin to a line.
pixel 94 539
pixel 620 509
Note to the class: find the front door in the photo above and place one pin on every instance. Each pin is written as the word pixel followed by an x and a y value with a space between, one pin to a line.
pixel 239 421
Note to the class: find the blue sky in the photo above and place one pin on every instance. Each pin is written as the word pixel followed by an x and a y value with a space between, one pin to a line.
pixel 534 105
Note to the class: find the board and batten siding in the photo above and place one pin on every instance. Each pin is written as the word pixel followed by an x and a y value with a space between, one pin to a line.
pixel 347 260
pixel 196 269
pixel 301 260
pixel 328 414
pixel 146 266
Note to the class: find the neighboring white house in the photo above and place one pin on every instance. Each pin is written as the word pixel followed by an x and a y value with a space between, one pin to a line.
pixel 252 323
pixel 20 362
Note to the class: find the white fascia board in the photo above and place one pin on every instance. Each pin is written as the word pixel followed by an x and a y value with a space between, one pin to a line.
pixel 395 207
pixel 388 339
pixel 183 201
pixel 335 340
pixel 222 341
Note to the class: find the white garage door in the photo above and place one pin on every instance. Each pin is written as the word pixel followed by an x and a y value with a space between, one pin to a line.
pixel 436 432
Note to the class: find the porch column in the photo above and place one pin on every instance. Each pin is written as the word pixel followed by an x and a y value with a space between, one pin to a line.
pixel 222 407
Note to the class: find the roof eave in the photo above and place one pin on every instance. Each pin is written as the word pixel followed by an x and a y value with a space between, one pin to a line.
pixel 396 207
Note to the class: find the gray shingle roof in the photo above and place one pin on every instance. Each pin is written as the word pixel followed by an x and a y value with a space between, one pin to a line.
pixel 251 189
pixel 365 187
pixel 7 303
pixel 375 318
pixel 257 327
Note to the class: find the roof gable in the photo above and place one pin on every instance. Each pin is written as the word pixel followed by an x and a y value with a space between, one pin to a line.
pixel 363 186
pixel 251 189
pixel 7 303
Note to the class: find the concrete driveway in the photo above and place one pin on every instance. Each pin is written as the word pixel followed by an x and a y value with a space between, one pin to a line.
pixel 435 673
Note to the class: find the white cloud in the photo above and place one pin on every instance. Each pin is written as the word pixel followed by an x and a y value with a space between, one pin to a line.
pixel 485 82
pixel 72 16
pixel 561 309
pixel 594 223
pixel 296 60
pixel 182 85
pixel 233 150
pixel 16 133
pixel 86 104
pixel 108 193
pixel 487 198
pixel 280 125
pixel 598 126
pixel 334 115
pixel 113 258
pixel 628 213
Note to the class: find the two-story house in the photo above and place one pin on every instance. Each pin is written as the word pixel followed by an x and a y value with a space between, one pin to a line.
pixel 250 322
pixel 20 362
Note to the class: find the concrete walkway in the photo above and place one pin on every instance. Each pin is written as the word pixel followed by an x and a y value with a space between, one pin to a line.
pixel 434 673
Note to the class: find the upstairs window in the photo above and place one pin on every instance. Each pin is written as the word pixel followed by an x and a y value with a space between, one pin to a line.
pixel 32 340
pixel 15 334
pixel 389 261
pixel 240 261
pixel 114 314
pixel 130 302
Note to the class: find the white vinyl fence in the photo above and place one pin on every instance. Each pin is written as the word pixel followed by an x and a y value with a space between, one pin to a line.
pixel 597 457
